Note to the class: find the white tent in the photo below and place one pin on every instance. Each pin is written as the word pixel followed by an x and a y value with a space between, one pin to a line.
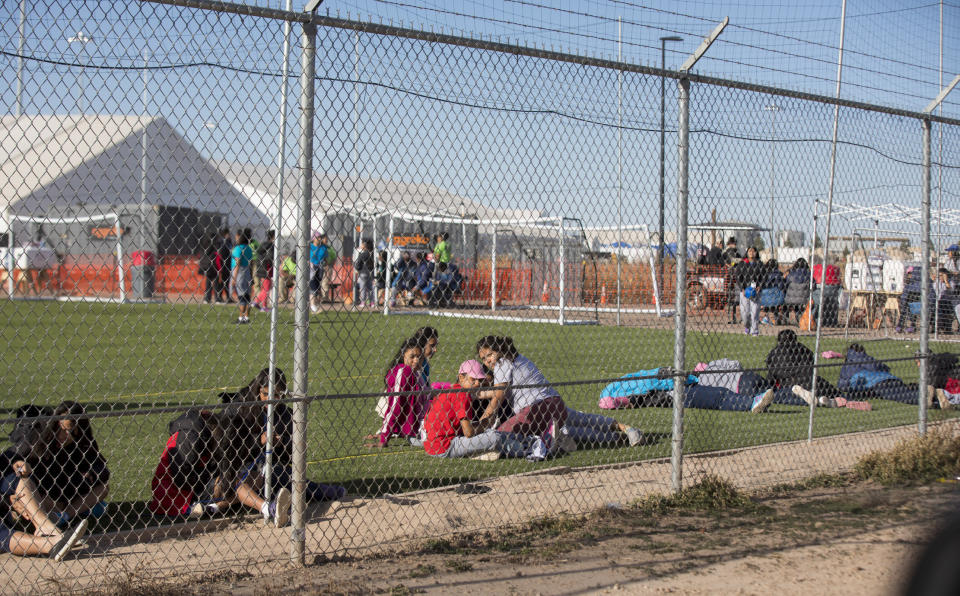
pixel 51 164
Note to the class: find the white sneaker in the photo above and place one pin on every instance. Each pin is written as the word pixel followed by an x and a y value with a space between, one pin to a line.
pixel 69 540
pixel 281 516
pixel 487 456
pixel 804 394
pixel 633 436
pixel 762 401
pixel 565 442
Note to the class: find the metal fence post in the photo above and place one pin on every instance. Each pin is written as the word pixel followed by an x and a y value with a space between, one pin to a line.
pixel 680 320
pixel 302 315
pixel 925 277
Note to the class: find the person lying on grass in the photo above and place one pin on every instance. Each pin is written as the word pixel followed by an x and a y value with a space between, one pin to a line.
pixel 866 377
pixel 654 388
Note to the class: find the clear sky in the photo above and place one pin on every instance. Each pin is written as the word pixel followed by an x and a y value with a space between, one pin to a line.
pixel 521 132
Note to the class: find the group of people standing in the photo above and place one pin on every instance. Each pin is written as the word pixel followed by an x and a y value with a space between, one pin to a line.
pixel 237 266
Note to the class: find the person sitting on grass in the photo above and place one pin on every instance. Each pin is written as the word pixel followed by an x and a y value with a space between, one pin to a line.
pixel 406 403
pixel 70 473
pixel 790 365
pixel 250 485
pixel 450 431
pixel 654 388
pixel 536 410
pixel 31 438
pixel 865 376
pixel 943 376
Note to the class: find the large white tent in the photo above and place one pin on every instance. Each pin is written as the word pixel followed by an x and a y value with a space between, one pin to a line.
pixel 54 164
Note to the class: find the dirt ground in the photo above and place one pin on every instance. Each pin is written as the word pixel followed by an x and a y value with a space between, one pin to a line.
pixel 851 539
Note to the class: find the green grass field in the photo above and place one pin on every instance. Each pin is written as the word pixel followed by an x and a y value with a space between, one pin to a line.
pixel 124 357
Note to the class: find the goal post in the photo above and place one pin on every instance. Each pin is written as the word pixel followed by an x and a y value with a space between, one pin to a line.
pixel 38 255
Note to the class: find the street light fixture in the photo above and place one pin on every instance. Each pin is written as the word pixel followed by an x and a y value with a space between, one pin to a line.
pixel 83 39
pixel 773 109
pixel 663 92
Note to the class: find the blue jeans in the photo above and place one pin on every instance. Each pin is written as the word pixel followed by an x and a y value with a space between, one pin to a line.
pixel 507 444
pixel 706 397
pixel 591 428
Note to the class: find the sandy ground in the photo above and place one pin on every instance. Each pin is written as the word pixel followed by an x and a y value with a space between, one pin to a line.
pixel 376 526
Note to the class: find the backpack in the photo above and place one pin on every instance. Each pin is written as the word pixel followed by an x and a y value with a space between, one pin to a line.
pixel 191 451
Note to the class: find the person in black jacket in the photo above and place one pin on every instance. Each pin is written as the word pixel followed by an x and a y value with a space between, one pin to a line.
pixel 748 274
pixel 250 484
pixel 363 266
pixel 790 364
pixel 207 265
pixel 71 474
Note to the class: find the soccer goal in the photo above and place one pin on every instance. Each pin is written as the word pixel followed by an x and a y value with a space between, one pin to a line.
pixel 73 258
pixel 512 269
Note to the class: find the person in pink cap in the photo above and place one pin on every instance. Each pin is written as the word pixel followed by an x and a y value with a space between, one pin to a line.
pixel 450 430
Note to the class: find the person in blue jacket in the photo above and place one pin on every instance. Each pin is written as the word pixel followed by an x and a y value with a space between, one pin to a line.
pixel 864 376
pixel 912 288
pixel 653 387
pixel 318 260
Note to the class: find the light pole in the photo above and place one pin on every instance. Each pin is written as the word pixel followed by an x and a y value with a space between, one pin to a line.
pixel 773 109
pixel 663 93
pixel 22 30
pixel 83 39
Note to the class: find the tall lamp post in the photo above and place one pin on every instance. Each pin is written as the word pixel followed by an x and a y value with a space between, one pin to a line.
pixel 773 109
pixel 83 39
pixel 663 93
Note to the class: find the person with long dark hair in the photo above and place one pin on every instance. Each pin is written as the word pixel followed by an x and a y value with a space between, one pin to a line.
pixel 250 485
pixel 71 474
pixel 406 403
pixel 537 410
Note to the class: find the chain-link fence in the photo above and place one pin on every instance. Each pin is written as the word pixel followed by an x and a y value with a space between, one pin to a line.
pixel 490 284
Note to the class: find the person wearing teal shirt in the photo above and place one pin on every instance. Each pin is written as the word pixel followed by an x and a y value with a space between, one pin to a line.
pixel 241 277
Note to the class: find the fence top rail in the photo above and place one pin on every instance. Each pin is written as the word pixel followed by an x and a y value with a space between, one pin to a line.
pixel 518 50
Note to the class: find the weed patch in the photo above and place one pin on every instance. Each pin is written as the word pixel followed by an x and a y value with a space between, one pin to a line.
pixel 913 461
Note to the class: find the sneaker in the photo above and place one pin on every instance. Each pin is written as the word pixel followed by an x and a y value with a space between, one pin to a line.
pixel 746 331
pixel 755 333
pixel 281 508
pixel 565 442
pixel 633 436
pixel 317 491
pixel 765 321
pixel 762 401
pixel 67 542
pixel 804 394
pixel 898 329
pixel 487 456
pixel 239 321
pixel 196 511
pixel 549 438
pixel 944 400
pixel 828 402
pixel 314 307
pixel 911 329
pixel 863 406
pixel 538 450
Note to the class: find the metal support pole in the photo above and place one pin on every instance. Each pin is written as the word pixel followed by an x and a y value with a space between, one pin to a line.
pixel 493 271
pixel 925 278
pixel 143 160
pixel 620 162
pixel 281 175
pixel 680 318
pixel 388 284
pixel 22 30
pixel 826 239
pixel 302 315
pixel 11 259
pixel 563 273
pixel 119 249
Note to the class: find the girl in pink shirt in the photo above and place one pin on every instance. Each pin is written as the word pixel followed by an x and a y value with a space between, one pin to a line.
pixel 407 402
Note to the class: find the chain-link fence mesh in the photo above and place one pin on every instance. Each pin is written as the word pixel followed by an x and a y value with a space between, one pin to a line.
pixel 492 244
